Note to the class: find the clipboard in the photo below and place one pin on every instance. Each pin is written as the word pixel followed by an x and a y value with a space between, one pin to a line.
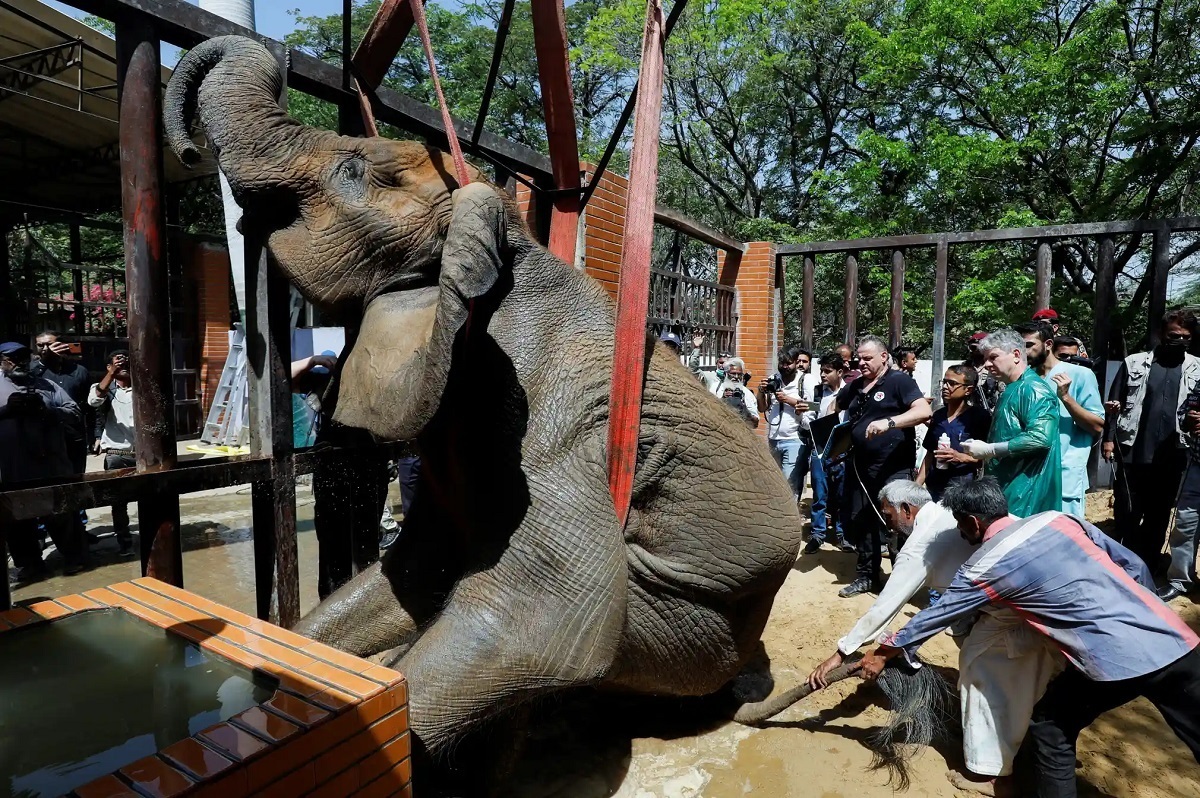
pixel 832 439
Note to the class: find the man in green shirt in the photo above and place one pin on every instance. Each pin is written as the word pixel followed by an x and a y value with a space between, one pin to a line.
pixel 1023 444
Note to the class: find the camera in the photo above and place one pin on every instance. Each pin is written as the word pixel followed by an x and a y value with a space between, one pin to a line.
pixel 733 397
pixel 1079 360
pixel 774 384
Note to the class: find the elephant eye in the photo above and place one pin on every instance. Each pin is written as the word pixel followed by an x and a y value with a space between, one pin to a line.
pixel 350 174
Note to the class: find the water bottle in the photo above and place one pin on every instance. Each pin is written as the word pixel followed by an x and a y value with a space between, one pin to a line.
pixel 943 443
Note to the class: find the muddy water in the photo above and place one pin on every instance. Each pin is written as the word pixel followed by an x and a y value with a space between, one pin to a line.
pixel 90 693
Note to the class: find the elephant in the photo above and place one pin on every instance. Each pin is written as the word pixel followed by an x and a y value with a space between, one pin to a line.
pixel 513 578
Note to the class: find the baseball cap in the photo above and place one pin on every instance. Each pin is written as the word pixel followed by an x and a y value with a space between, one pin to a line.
pixel 672 339
pixel 1046 314
pixel 12 347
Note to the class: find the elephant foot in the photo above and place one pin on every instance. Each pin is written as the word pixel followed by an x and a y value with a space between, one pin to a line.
pixel 478 765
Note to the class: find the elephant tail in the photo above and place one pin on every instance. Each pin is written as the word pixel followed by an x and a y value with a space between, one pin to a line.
pixel 761 711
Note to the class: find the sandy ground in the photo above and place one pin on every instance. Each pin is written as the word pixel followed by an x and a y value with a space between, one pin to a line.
pixel 587 746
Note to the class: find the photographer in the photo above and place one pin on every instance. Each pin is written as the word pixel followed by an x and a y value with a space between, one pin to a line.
pixel 782 398
pixel 112 399
pixel 732 391
pixel 36 420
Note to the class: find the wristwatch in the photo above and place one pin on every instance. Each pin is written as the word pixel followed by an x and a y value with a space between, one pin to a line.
pixel 891 423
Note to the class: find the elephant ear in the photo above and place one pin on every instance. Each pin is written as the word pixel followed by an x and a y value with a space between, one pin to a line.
pixel 392 381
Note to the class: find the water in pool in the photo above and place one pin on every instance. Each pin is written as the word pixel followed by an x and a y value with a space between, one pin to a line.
pixel 92 692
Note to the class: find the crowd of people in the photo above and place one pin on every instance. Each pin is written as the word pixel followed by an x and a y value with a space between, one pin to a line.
pixel 983 517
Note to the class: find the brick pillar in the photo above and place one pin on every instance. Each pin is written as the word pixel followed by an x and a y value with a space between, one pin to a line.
pixel 603 222
pixel 210 265
pixel 759 327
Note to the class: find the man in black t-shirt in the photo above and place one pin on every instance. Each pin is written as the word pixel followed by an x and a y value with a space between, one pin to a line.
pixel 885 406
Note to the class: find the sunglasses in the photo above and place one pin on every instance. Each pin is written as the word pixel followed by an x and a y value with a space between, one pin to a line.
pixel 1179 337
pixel 952 383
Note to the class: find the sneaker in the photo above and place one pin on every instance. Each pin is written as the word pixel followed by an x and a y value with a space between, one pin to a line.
pixel 813 546
pixel 125 549
pixel 27 575
pixel 1169 592
pixel 70 569
pixel 846 546
pixel 389 538
pixel 856 588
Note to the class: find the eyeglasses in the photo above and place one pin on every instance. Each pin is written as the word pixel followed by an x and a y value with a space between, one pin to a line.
pixel 1179 336
pixel 952 383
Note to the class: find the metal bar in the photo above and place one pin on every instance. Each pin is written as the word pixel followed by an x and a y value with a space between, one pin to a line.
pixel 941 281
pixel 1178 224
pixel 1104 307
pixel 138 68
pixel 46 26
pixel 675 220
pixel 626 113
pixel 850 303
pixel 558 108
pixel 40 51
pixel 1160 266
pixel 382 41
pixel 273 501
pixel 808 311
pixel 1041 292
pixel 896 311
pixel 77 276
pixel 494 70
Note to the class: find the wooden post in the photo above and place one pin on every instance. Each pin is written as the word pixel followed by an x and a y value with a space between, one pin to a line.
pixel 558 107
pixel 1042 290
pixel 272 501
pixel 940 282
pixel 1160 265
pixel 896 312
pixel 1104 307
pixel 850 306
pixel 140 104
pixel 808 311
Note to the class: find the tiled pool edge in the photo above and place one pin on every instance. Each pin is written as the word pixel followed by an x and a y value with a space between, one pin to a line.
pixel 337 726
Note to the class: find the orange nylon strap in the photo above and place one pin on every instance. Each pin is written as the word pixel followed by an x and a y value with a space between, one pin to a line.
pixel 460 164
pixel 633 292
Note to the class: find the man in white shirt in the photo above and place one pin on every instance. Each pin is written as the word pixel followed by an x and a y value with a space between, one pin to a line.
pixel 1004 666
pixel 112 398
pixel 782 398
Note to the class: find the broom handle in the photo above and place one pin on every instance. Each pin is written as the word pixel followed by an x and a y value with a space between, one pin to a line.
pixel 754 714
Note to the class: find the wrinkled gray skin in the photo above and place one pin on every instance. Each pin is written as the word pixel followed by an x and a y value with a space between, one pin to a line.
pixel 513 577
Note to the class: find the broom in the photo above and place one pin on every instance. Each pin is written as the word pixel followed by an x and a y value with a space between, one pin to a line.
pixel 924 710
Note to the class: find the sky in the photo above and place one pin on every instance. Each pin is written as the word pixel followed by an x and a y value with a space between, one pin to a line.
pixel 272 17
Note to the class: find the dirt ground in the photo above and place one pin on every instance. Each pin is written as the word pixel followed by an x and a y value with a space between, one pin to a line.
pixel 589 746
pixel 816 749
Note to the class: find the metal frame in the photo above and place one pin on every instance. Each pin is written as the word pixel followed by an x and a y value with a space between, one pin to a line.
pixel 1160 264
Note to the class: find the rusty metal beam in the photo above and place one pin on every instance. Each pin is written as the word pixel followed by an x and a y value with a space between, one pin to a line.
pixel 1178 224
pixel 382 41
pixel 558 106
pixel 850 301
pixel 896 309
pixel 1160 265
pixel 941 280
pixel 1041 291
pixel 668 217
pixel 808 311
pixel 489 87
pixel 144 218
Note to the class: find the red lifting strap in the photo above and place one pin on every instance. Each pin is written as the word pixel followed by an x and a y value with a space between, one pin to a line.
pixel 460 164
pixel 633 293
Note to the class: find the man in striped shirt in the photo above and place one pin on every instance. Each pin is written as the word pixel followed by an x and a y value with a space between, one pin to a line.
pixel 1096 602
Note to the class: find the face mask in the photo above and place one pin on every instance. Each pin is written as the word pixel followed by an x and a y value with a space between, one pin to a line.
pixel 1176 344
pixel 720 374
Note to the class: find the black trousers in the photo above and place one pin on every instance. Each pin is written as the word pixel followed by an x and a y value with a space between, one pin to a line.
pixel 120 512
pixel 1143 500
pixel 25 543
pixel 866 530
pixel 348 494
pixel 1073 701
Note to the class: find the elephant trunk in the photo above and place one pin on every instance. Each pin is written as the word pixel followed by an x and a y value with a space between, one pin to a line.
pixel 233 84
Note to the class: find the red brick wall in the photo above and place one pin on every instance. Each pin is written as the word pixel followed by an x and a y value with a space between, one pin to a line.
pixel 753 274
pixel 210 264
pixel 604 223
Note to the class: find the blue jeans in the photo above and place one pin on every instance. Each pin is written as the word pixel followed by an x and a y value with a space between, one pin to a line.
pixel 791 455
pixel 827 497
